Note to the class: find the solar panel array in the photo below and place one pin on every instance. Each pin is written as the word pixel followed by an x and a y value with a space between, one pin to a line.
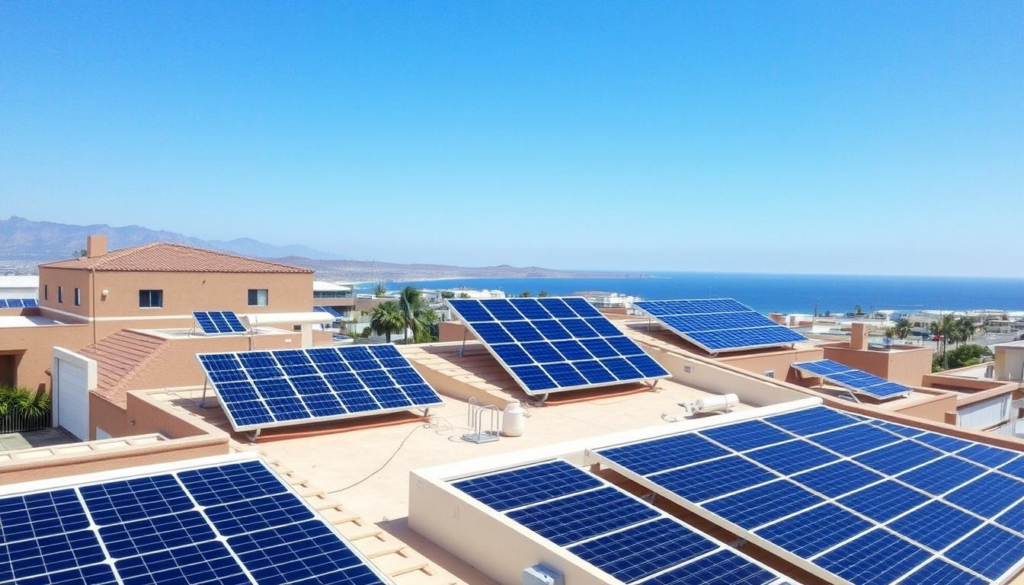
pixel 292 386
pixel 854 379
pixel 556 344
pixel 18 304
pixel 719 324
pixel 329 310
pixel 612 530
pixel 853 498
pixel 222 524
pixel 218 322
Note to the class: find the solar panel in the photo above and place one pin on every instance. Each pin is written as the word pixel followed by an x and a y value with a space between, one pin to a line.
pixel 18 304
pixel 556 344
pixel 612 530
pixel 47 537
pixel 329 310
pixel 889 503
pixel 260 389
pixel 218 322
pixel 719 325
pixel 853 379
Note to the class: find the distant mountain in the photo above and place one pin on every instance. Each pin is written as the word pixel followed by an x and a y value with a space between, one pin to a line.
pixel 40 241
pixel 368 271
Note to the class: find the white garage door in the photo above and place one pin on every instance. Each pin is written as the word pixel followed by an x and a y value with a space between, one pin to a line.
pixel 72 381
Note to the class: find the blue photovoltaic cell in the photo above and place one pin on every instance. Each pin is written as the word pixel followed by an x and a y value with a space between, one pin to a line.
pixel 883 502
pixel 814 530
pixel 988 495
pixel 18 304
pixel 714 478
pixel 939 572
pixel 991 551
pixel 900 430
pixel 898 458
pixel 746 435
pixel 1013 518
pixel 938 477
pixel 555 344
pixel 720 568
pixel 581 516
pixel 760 505
pixel 810 421
pixel 837 479
pixel 329 310
pixel 218 322
pixel 943 442
pixel 823 367
pixel 643 550
pixel 528 485
pixel 719 324
pixel 791 457
pixel 853 440
pixel 259 388
pixel 661 454
pixel 149 534
pixel 935 525
pixel 987 456
pixel 877 557
pixel 853 379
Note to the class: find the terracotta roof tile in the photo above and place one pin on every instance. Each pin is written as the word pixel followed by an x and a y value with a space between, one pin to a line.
pixel 120 357
pixel 163 257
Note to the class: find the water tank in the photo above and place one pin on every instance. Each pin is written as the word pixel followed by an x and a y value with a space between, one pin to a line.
pixel 513 420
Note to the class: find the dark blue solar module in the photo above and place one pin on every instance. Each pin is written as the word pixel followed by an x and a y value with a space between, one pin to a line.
pixel 1013 518
pixel 720 568
pixel 811 421
pixel 853 379
pixel 661 454
pixel 218 322
pixel 901 430
pixel 746 435
pixel 837 479
pixel 987 456
pixel 791 457
pixel 528 485
pixel 556 344
pixel 941 476
pixel 760 505
pixel 935 525
pixel 329 310
pixel 988 495
pixel 854 440
pixel 991 551
pixel 943 442
pixel 719 324
pixel 898 458
pixel 812 531
pixel 939 572
pixel 267 388
pixel 151 529
pixel 714 478
pixel 643 550
pixel 884 501
pixel 18 304
pixel 572 519
pixel 877 557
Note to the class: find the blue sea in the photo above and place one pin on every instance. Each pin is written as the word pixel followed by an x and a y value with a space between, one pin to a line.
pixel 775 292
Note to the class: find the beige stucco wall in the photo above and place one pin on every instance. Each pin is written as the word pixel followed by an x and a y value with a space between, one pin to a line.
pixel 32 348
pixel 777 361
pixel 907 365
pixel 1009 363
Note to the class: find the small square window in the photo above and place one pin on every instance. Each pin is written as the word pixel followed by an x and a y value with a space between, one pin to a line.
pixel 151 299
pixel 258 297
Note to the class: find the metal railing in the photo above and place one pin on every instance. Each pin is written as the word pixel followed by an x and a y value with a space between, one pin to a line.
pixel 16 421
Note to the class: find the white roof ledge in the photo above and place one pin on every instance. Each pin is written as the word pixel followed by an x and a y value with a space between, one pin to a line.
pixel 310 318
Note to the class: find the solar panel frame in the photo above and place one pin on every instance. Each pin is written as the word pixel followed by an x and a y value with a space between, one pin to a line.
pixel 1005 508
pixel 165 536
pixel 852 379
pixel 356 387
pixel 329 310
pixel 540 327
pixel 218 322
pixel 711 324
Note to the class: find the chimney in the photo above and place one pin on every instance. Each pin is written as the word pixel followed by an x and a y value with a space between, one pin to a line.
pixel 859 336
pixel 95 246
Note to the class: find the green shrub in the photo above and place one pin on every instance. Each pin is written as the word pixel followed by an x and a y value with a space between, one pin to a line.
pixel 23 400
pixel 966 355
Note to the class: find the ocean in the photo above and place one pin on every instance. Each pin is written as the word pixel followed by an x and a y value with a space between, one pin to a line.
pixel 775 292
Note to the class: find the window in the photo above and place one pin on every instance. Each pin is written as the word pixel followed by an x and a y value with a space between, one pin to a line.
pixel 78 297
pixel 769 373
pixel 46 292
pixel 60 294
pixel 331 294
pixel 151 299
pixel 258 297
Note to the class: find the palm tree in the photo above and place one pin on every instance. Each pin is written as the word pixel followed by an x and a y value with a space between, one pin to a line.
pixel 417 314
pixel 386 319
pixel 903 329
pixel 964 329
pixel 380 290
pixel 525 294
pixel 542 293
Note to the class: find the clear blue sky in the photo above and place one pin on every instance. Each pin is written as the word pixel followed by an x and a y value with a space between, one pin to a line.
pixel 861 137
